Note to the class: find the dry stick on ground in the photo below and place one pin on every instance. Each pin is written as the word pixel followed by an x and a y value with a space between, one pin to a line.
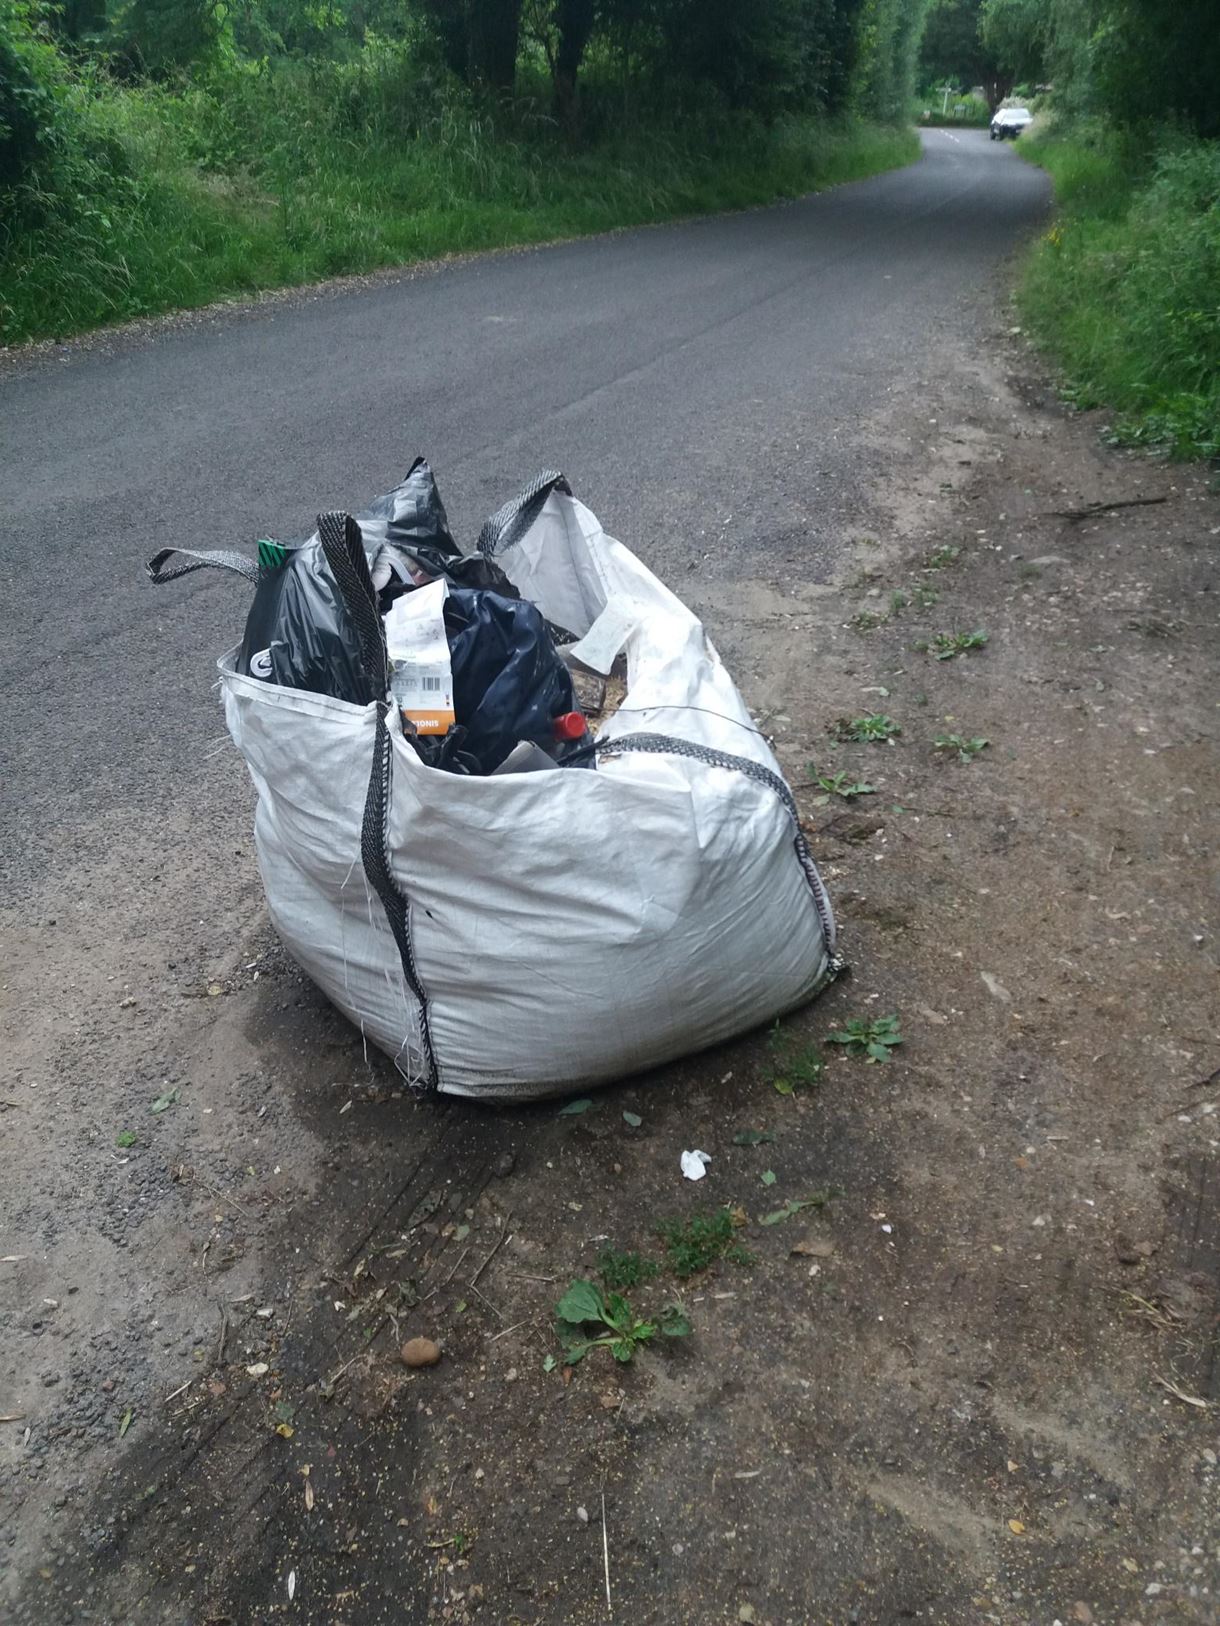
pixel 484 1300
pixel 516 1327
pixel 235 1202
pixel 606 1556
pixel 494 1251
pixel 1181 1394
pixel 447 1279
pixel 1091 509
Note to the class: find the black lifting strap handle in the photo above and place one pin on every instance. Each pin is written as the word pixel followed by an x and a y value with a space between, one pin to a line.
pixel 216 559
pixel 510 523
pixel 343 550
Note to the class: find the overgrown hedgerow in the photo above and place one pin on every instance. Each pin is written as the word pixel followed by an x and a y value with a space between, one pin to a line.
pixel 1125 287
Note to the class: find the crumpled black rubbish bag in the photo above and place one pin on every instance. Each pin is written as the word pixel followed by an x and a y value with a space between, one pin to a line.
pixel 298 632
pixel 412 517
pixel 509 683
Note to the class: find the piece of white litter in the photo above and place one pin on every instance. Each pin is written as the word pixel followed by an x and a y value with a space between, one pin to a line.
pixel 694 1165
pixel 258 1370
pixel 292 1585
pixel 995 987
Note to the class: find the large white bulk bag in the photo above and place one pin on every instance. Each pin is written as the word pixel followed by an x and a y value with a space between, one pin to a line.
pixel 531 934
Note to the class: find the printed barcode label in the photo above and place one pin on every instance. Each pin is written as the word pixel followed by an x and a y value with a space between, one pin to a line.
pixel 422 680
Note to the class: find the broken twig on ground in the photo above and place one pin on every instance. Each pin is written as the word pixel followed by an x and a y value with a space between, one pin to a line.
pixel 1090 510
pixel 606 1555
pixel 503 1239
pixel 1180 1394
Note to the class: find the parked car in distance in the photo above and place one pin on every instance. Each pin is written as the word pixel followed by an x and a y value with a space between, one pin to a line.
pixel 1009 122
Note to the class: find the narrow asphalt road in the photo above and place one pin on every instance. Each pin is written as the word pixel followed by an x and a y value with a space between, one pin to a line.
pixel 698 383
pixel 718 392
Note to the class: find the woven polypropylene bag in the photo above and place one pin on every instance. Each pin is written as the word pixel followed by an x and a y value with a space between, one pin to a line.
pixel 528 935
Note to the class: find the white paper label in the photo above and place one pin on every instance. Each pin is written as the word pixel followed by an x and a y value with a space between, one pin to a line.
pixel 600 645
pixel 422 673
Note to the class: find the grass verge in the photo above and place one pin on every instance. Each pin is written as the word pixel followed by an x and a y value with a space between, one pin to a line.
pixel 174 222
pixel 1124 289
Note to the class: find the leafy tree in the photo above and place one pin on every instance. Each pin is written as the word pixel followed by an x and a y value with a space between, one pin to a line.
pixel 1015 32
pixel 79 20
pixel 480 39
pixel 162 37
pixel 892 31
pixel 953 51
pixel 29 78
pixel 1147 60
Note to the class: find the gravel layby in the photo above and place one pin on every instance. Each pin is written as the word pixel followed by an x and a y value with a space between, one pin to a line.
pixel 957 1360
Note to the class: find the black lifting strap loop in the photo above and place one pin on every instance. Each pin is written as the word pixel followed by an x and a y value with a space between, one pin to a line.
pixel 215 559
pixel 510 523
pixel 343 550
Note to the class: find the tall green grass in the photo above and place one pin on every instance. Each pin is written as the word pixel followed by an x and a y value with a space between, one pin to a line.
pixel 182 196
pixel 1124 289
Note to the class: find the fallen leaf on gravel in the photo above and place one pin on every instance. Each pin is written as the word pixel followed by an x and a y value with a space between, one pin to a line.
pixel 752 1137
pixel 813 1247
pixel 1131 1253
pixel 794 1205
pixel 930 1015
pixel 126 1423
pixel 574 1108
pixel 1082 1612
pixel 768 1177
pixel 285 1430
pixel 633 1119
pixel 1130 1564
pixel 164 1102
pixel 1017 1528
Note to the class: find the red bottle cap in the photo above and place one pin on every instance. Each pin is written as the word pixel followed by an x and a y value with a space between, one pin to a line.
pixel 570 725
